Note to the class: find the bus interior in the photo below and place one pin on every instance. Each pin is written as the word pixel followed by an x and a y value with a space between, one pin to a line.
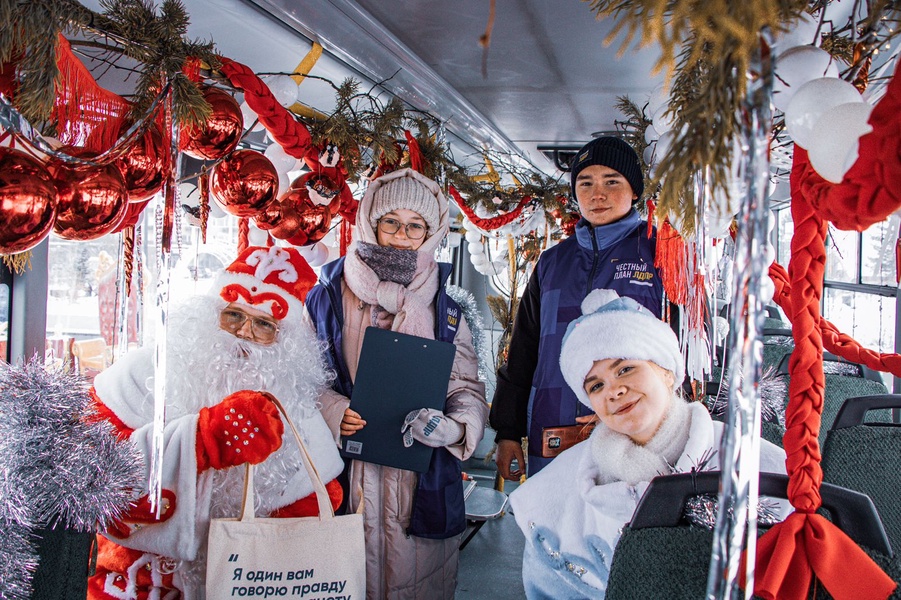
pixel 499 96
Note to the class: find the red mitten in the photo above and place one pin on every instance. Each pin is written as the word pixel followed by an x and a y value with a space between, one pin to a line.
pixel 243 428
pixel 141 514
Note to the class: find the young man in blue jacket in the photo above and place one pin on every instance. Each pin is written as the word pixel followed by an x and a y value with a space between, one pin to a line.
pixel 610 249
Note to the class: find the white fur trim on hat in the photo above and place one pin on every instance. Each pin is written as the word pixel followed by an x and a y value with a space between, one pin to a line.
pixel 615 327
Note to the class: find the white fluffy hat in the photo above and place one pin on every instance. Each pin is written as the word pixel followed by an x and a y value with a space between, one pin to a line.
pixel 615 327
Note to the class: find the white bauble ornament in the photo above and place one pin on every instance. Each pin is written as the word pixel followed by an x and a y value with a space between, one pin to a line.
pixel 840 12
pixel 648 154
pixel 473 236
pixel 663 119
pixel 663 145
pixel 283 88
pixel 281 160
pixel 475 248
pixel 316 254
pixel 284 182
pixel 803 32
pixel 812 100
pixel 256 236
pixel 796 67
pixel 250 117
pixel 650 134
pixel 454 239
pixel 835 139
pixel 478 259
pixel 769 254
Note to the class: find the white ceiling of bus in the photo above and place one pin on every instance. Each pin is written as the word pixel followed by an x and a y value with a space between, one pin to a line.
pixel 550 79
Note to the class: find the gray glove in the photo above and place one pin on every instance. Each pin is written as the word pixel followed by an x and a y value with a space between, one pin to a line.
pixel 432 428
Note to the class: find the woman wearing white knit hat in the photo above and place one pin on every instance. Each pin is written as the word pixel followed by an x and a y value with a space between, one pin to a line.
pixel 624 364
pixel 390 279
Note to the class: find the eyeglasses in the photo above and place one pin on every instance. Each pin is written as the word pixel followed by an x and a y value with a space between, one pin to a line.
pixel 414 231
pixel 263 331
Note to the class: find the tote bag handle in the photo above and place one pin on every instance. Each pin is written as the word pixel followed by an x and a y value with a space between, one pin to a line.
pixel 325 505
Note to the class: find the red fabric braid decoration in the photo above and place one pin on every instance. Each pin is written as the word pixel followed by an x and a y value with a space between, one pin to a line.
pixel 807 544
pixel 834 341
pixel 290 134
pixel 494 222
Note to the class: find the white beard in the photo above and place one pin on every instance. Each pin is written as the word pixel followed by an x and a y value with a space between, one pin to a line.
pixel 206 364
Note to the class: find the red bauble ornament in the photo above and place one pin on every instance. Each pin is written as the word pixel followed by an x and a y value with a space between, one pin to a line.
pixel 245 183
pixel 28 201
pixel 93 201
pixel 314 219
pixel 282 220
pixel 132 214
pixel 143 166
pixel 221 132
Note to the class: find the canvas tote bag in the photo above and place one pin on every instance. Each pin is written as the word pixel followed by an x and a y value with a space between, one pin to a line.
pixel 306 557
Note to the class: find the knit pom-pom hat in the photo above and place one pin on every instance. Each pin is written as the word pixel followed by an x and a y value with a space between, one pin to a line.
pixel 404 188
pixel 615 327
pixel 609 152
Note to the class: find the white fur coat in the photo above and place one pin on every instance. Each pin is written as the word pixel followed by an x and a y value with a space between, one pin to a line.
pixel 572 522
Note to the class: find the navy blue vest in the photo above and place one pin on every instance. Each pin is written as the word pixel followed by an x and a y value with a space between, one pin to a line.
pixel 439 510
pixel 566 273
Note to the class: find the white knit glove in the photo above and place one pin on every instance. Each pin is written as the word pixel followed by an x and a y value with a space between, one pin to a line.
pixel 432 428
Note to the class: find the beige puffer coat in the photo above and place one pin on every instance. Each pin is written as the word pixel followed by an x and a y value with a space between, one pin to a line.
pixel 398 566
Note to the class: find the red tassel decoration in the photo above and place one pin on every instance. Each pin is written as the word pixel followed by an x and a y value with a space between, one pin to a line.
pixel 86 115
pixel 671 263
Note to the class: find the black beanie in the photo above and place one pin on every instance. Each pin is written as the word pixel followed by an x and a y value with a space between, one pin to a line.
pixel 610 152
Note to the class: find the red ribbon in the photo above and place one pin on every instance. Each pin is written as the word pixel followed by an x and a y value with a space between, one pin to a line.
pixel 807 544
pixel 494 222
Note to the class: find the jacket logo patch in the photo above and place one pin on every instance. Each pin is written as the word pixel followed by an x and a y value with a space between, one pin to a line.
pixel 638 273
pixel 453 317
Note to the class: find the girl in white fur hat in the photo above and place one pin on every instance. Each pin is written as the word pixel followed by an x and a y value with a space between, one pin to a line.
pixel 624 364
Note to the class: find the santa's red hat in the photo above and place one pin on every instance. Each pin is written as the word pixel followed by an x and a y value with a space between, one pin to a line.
pixel 274 280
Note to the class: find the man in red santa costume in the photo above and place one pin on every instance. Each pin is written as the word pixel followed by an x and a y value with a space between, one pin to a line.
pixel 228 354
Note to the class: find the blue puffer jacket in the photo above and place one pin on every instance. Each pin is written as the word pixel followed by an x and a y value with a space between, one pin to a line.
pixel 438 507
pixel 531 393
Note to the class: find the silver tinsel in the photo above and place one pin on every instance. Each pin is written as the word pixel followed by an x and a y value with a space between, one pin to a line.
pixel 473 317
pixel 701 511
pixel 60 466
pixel 773 394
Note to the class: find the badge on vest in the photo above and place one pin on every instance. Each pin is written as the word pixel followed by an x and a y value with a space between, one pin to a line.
pixel 637 273
pixel 453 317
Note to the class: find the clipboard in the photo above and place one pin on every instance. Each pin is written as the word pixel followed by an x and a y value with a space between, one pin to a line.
pixel 397 373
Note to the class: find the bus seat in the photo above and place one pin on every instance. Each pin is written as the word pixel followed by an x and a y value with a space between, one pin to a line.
pixel 864 457
pixel 482 505
pixel 661 555
pixel 92 355
pixel 838 387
